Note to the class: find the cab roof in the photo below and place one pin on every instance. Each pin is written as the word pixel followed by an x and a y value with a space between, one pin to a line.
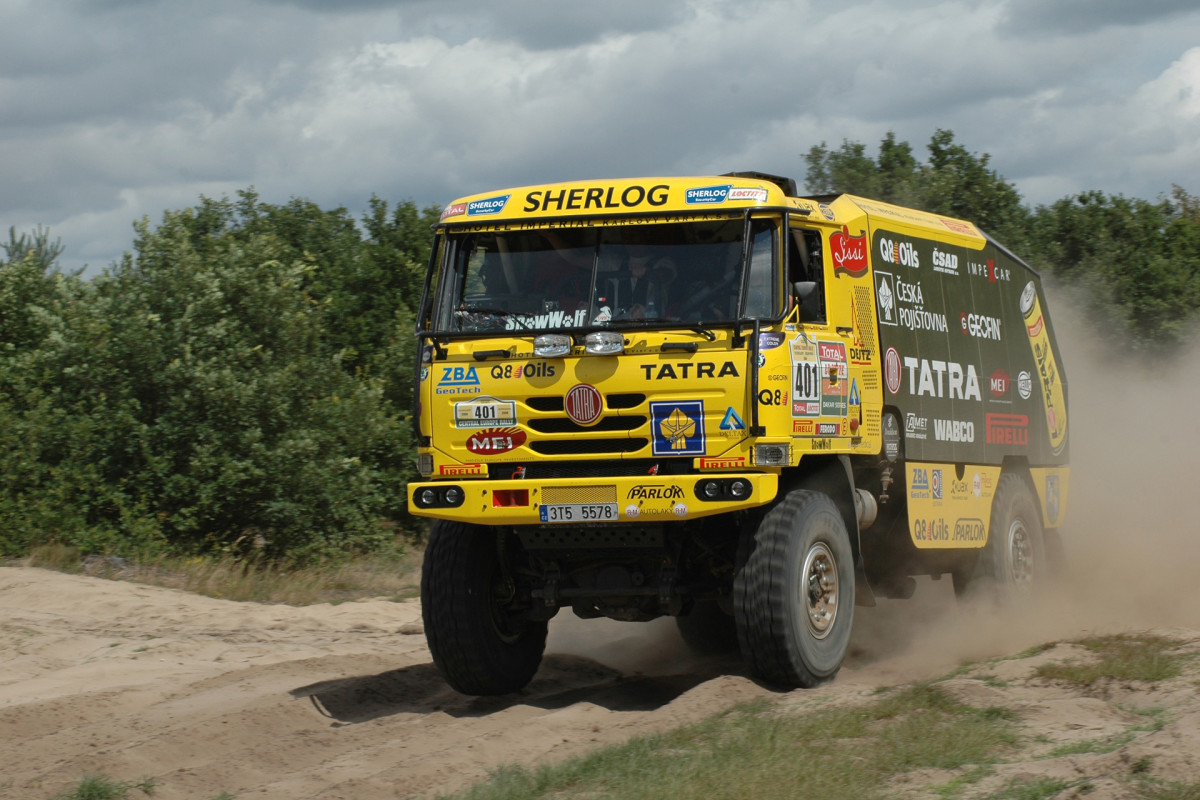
pixel 692 195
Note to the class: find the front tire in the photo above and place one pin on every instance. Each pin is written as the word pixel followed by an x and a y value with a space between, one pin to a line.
pixel 794 595
pixel 481 641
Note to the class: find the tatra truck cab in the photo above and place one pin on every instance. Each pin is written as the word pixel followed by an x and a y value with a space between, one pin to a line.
pixel 711 399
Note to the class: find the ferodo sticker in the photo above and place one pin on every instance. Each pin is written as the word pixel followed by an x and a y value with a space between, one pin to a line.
pixel 485 412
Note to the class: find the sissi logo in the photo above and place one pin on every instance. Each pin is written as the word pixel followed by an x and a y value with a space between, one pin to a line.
pixel 849 253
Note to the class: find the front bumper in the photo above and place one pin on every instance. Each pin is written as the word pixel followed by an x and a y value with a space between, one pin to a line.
pixel 635 500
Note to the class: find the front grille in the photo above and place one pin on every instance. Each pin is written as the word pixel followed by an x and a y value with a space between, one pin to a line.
pixel 606 424
pixel 566 495
pixel 612 402
pixel 576 439
pixel 539 470
pixel 550 537
pixel 568 447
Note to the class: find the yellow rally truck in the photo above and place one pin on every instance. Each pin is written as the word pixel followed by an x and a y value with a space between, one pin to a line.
pixel 709 398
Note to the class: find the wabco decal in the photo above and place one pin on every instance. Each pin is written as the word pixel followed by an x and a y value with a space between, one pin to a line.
pixel 595 197
pixel 491 205
pixel 849 253
pixel 953 430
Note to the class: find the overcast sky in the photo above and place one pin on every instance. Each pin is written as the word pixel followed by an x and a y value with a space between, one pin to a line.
pixel 114 109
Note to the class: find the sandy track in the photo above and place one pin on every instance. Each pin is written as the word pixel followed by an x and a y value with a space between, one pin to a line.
pixel 274 702
pixel 207 696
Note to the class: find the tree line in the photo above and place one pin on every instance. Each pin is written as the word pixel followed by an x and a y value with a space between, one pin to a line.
pixel 240 381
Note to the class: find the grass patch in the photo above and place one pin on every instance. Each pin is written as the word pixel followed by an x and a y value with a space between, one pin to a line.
pixel 98 787
pixel 755 751
pixel 1170 791
pixel 394 577
pixel 954 788
pixel 1127 658
pixel 1106 744
pixel 1025 789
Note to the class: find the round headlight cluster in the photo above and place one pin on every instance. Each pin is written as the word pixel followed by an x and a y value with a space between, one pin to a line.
pixel 715 489
pixel 438 497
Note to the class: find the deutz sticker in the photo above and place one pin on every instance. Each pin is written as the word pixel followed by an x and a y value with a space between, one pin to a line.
pixel 485 412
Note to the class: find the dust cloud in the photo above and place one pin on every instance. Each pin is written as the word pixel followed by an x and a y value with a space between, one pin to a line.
pixel 1130 537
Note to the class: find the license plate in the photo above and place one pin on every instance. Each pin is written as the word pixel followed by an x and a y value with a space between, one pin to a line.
pixel 580 512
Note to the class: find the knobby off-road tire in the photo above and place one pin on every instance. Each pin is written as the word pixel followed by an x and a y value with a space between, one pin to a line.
pixel 1014 562
pixel 794 593
pixel 479 646
pixel 707 630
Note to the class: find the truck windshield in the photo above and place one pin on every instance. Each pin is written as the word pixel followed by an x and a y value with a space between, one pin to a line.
pixel 544 279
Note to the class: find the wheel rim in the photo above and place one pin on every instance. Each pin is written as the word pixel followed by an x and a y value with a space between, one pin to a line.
pixel 819 590
pixel 1020 553
pixel 506 626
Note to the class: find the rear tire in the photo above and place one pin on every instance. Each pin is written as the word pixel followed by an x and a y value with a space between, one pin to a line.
pixel 794 595
pixel 1014 562
pixel 481 641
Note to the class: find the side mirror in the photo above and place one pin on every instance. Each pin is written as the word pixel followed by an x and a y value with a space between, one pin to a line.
pixel 808 298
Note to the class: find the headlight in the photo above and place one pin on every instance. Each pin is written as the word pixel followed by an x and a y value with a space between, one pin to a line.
pixel 771 455
pixel 604 343
pixel 551 345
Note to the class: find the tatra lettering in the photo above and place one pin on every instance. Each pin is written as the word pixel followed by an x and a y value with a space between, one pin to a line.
pixel 929 377
pixel 686 369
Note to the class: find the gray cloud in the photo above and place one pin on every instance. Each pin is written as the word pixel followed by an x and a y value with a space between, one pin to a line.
pixel 111 110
